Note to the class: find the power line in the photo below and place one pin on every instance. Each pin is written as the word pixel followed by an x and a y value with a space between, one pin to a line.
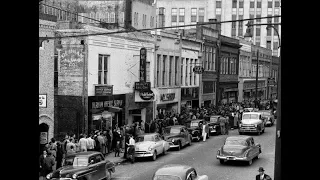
pixel 149 29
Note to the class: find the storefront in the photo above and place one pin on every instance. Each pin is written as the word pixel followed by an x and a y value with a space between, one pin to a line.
pixel 229 92
pixel 190 97
pixel 249 89
pixel 106 112
pixel 167 100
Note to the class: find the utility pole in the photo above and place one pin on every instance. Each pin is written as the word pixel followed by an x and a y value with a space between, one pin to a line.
pixel 257 73
pixel 218 72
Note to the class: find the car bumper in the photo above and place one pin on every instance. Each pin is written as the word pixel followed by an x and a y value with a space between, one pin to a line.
pixel 61 179
pixel 171 145
pixel 248 130
pixel 143 154
pixel 232 158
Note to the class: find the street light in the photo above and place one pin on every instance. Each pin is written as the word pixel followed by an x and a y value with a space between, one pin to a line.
pixel 277 167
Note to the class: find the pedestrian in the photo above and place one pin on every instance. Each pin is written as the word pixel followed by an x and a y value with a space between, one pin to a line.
pixel 72 150
pixel 46 163
pixel 53 147
pixel 91 143
pixel 83 143
pixel 101 141
pixel 109 135
pixel 262 175
pixel 59 155
pixel 70 144
pixel 117 140
pixel 64 144
pixel 97 142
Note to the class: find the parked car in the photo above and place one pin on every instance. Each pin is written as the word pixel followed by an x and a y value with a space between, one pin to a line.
pixel 239 148
pixel 178 172
pixel 195 129
pixel 214 124
pixel 177 136
pixel 150 145
pixel 84 165
pixel 251 122
pixel 268 117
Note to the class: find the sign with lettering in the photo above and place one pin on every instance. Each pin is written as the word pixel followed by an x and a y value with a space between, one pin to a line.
pixel 252 85
pixel 167 97
pixel 42 100
pixel 198 69
pixel 71 60
pixel 143 61
pixel 105 90
pixel 146 95
pixel 103 104
pixel 142 86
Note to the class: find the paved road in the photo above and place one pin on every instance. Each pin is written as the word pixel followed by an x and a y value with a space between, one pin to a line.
pixel 202 156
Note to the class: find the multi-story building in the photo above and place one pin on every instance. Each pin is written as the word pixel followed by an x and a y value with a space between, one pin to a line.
pixel 47 26
pixel 229 69
pixel 168 72
pixel 92 93
pixel 274 78
pixel 244 68
pixel 183 12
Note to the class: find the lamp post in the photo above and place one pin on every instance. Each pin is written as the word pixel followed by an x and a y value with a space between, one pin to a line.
pixel 277 162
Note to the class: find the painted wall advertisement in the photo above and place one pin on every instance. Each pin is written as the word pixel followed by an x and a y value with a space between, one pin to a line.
pixel 42 100
pixel 165 96
pixel 71 61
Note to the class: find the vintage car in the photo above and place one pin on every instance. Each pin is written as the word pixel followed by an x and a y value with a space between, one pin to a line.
pixel 178 172
pixel 195 129
pixel 251 122
pixel 250 110
pixel 177 136
pixel 239 148
pixel 84 166
pixel 150 145
pixel 268 116
pixel 214 124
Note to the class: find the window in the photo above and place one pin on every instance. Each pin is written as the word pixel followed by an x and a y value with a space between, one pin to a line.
pixel 275 45
pixel 112 18
pixel 137 19
pixel 134 17
pixel 186 74
pixel 103 69
pixel 269 20
pixel 214 59
pixel 201 15
pixel 251 4
pixel 226 66
pixel 176 71
pixel 99 158
pixel 276 19
pixel 241 4
pixel 268 44
pixel 174 15
pixel 251 16
pixel 210 58
pixel 158 68
pixel 193 14
pixel 257 43
pixel 182 65
pixel 240 26
pixel 276 3
pixel 234 3
pixel 276 27
pixel 269 32
pixel 259 4
pixel 56 70
pixel 258 16
pixel 181 15
pixel 207 59
pixel 218 4
pixel 194 74
pixel 164 69
pixel 170 69
pixel 218 17
pixel 269 4
pixel 190 72
pixel 233 26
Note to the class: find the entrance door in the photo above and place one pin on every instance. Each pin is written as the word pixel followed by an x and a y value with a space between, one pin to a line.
pixel 43 136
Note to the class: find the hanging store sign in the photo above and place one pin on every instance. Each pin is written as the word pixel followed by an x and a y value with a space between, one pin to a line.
pixel 146 95
pixel 104 90
pixel 42 100
pixel 142 86
pixel 167 97
pixel 143 61
pixel 198 69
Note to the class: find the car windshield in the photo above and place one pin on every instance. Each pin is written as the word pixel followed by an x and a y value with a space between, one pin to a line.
pixel 194 124
pixel 266 113
pixel 170 130
pixel 213 119
pixel 145 138
pixel 166 177
pixel 250 116
pixel 76 161
pixel 235 142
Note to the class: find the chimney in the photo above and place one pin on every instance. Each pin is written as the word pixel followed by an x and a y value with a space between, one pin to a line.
pixel 215 26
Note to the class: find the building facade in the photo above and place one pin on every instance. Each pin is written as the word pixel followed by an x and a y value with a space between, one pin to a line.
pixel 168 72
pixel 244 68
pixel 180 12
pixel 273 85
pixel 47 26
pixel 229 69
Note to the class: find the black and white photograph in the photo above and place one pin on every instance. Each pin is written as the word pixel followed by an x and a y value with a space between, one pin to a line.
pixel 159 90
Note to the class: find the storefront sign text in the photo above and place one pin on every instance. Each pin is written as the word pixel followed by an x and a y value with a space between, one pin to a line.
pixel 167 97
pixel 252 85
pixel 146 95
pixel 143 61
pixel 198 69
pixel 142 86
pixel 71 59
pixel 103 90
pixel 103 104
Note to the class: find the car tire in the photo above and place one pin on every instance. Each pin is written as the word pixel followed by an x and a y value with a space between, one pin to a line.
pixel 221 161
pixel 154 156
pixel 250 162
pixel 263 130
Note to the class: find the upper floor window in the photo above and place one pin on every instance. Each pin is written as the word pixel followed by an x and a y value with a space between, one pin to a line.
pixel 258 3
pixel 201 15
pixel 251 4
pixel 270 4
pixel 218 4
pixel 181 15
pixel 241 4
pixel 193 14
pixel 234 3
pixel 174 15
pixel 103 69
pixel 276 3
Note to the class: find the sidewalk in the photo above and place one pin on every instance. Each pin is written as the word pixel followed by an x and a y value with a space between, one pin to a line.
pixel 116 160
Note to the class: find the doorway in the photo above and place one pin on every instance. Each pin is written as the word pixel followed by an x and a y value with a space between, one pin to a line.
pixel 43 136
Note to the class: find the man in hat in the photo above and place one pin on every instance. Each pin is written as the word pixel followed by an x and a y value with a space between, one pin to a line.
pixel 262 175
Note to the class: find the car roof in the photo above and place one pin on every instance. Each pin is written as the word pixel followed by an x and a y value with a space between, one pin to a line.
pixel 240 137
pixel 84 154
pixel 252 113
pixel 197 120
pixel 174 169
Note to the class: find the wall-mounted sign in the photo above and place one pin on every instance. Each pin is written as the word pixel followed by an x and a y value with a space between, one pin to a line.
pixel 143 61
pixel 43 137
pixel 71 61
pixel 42 100
pixel 146 95
pixel 105 90
pixel 142 86
pixel 198 69
pixel 167 97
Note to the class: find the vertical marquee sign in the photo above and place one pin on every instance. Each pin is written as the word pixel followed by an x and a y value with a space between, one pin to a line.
pixel 143 61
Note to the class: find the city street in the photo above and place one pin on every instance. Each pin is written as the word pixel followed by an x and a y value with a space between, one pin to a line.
pixel 202 156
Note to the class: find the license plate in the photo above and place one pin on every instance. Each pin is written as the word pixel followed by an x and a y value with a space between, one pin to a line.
pixel 230 158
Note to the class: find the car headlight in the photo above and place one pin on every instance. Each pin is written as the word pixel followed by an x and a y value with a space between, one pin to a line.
pixel 172 140
pixel 256 125
pixel 245 153
pixel 240 125
pixel 49 176
pixel 218 152
pixel 150 149
pixel 74 176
